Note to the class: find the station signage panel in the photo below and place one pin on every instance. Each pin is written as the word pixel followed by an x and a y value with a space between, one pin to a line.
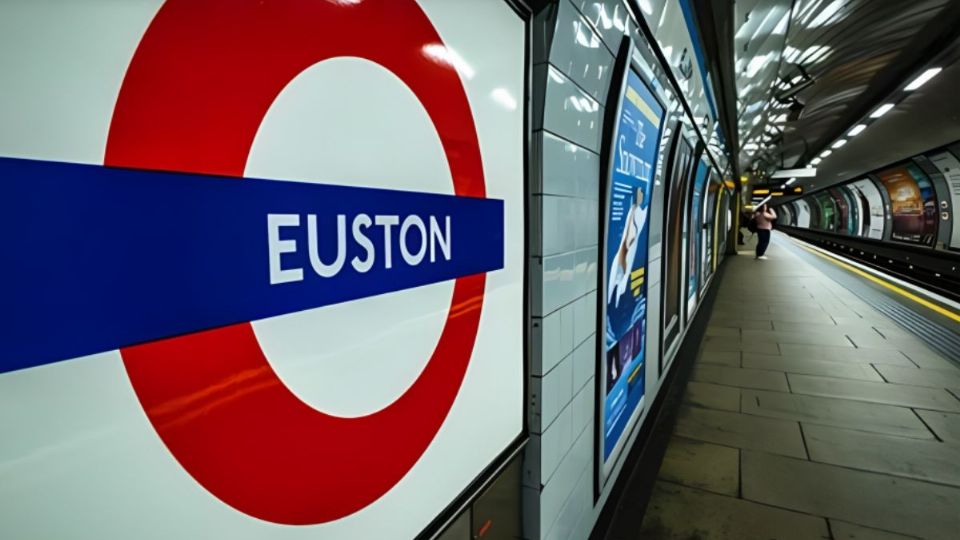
pixel 267 267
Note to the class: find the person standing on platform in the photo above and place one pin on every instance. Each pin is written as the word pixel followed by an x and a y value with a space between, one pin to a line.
pixel 764 217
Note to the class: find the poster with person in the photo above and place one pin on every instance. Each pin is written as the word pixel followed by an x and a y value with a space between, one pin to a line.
pixel 633 162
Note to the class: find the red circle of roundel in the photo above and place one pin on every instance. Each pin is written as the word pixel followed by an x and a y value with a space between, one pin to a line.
pixel 195 93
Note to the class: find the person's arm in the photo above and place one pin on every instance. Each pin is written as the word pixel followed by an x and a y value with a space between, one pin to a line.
pixel 771 215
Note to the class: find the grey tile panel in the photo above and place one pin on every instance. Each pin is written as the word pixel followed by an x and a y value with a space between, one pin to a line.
pixel 892 394
pixel 740 431
pixel 723 358
pixel 945 425
pixel 726 343
pixel 702 465
pixel 739 377
pixel 835 412
pixel 677 512
pixel 712 396
pixel 844 354
pixel 741 323
pixel 843 370
pixel 884 502
pixel 934 378
pixel 723 331
pixel 850 531
pixel 809 338
pixel 932 460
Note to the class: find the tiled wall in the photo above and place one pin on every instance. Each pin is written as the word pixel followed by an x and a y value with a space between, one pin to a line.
pixel 573 58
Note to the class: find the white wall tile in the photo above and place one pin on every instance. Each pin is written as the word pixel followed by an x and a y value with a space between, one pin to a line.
pixel 559 225
pixel 577 504
pixel 558 284
pixel 557 338
pixel 584 362
pixel 555 442
pixel 585 317
pixel 559 487
pixel 556 390
pixel 609 17
pixel 582 407
pixel 567 167
pixel 579 52
pixel 573 115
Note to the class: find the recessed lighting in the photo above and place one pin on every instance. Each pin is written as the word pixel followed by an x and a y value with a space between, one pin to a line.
pixel 839 143
pixel 923 78
pixel 815 161
pixel 857 129
pixel 825 153
pixel 882 110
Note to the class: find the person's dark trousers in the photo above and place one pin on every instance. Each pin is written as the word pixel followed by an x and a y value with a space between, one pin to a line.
pixel 763 240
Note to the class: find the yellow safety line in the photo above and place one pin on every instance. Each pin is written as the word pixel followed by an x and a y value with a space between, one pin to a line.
pixel 902 292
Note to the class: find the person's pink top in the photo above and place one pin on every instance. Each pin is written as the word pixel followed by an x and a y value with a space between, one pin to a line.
pixel 765 219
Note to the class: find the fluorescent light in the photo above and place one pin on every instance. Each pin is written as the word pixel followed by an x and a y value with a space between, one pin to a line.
pixel 825 153
pixel 857 129
pixel 839 143
pixel 923 78
pixel 882 110
pixel 790 181
pixel 816 161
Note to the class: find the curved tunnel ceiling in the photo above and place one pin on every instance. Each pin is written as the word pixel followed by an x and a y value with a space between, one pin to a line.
pixel 809 70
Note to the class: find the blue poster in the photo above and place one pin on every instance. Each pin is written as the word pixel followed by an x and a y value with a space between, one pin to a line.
pixel 696 212
pixel 635 144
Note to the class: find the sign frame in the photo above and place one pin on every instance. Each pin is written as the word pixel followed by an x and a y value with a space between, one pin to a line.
pixel 624 64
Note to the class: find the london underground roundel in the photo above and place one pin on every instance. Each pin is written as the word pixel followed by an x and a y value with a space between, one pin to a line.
pixel 196 251
pixel 281 443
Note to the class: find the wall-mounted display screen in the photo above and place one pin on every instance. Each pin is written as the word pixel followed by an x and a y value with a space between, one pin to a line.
pixel 634 146
pixel 913 204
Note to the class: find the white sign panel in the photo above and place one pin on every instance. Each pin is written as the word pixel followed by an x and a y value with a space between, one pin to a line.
pixel 268 275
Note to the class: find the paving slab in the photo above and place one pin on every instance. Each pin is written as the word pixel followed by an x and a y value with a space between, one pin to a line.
pixel 677 512
pixel 722 331
pixel 739 377
pixel 702 465
pixel 892 394
pixel 945 425
pixel 741 323
pixel 724 358
pixel 843 370
pixel 726 343
pixel 870 339
pixel 929 460
pixel 740 431
pixel 934 378
pixel 843 413
pixel 834 338
pixel 844 354
pixel 750 315
pixel 876 500
pixel 929 360
pixel 712 396
pixel 849 531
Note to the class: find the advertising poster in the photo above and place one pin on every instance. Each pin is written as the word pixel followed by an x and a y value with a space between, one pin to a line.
pixel 949 166
pixel 912 203
pixel 696 224
pixel 634 157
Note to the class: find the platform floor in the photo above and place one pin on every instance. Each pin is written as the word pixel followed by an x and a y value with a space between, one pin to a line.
pixel 809 415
